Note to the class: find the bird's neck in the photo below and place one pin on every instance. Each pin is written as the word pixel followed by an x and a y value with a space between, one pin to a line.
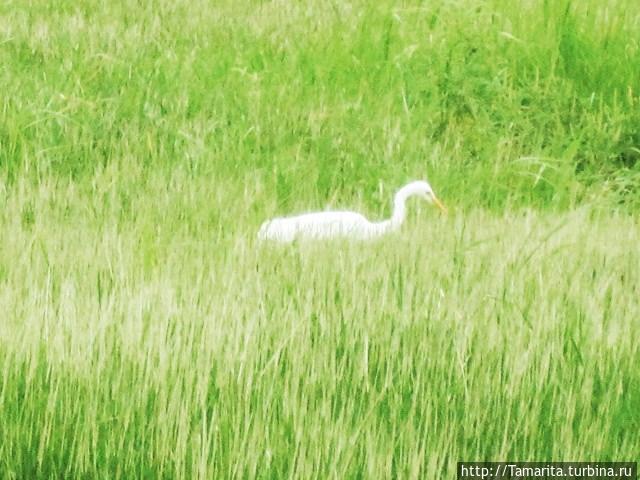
pixel 398 216
pixel 399 210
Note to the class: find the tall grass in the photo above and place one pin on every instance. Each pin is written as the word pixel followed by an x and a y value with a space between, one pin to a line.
pixel 324 98
pixel 144 334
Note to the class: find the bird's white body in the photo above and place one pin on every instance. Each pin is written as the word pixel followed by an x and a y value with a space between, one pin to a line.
pixel 319 225
pixel 341 224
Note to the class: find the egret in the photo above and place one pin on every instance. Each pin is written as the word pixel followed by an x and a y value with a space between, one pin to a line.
pixel 336 224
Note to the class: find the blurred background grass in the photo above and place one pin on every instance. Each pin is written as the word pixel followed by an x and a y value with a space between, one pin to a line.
pixel 499 103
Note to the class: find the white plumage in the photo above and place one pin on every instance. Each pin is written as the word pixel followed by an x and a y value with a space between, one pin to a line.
pixel 336 224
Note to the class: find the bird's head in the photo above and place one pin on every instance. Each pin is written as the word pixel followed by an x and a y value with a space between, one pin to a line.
pixel 424 190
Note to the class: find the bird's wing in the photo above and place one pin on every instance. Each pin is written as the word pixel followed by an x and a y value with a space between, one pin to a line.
pixel 329 224
pixel 317 224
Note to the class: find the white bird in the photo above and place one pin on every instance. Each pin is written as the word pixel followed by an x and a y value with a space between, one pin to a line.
pixel 332 224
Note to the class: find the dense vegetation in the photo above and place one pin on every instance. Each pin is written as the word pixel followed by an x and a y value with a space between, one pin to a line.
pixel 144 334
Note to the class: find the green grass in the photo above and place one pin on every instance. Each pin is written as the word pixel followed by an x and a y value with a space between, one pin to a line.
pixel 145 334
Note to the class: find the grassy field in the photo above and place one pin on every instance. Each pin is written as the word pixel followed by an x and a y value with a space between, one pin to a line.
pixel 145 333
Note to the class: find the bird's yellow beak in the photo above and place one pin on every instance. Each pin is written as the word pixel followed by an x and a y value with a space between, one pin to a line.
pixel 439 204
